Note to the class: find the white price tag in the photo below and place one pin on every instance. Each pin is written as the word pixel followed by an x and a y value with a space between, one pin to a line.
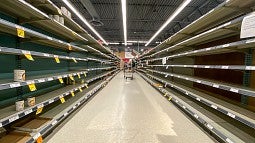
pixel 41 80
pixel 229 141
pixel 198 81
pixel 186 93
pixel 225 67
pixel 207 67
pixel 25 52
pixel 196 116
pixel 250 41
pixel 14 118
pixel 234 90
pixel 40 106
pixel 209 126
pixel 207 49
pixel 250 67
pixel 30 82
pixel 1 125
pixel 66 113
pixel 216 85
pixel 28 111
pixel 54 122
pixel 46 55
pixel 225 45
pixel 166 67
pixel 214 106
pixel 183 107
pixel 51 101
pixel 50 79
pixel 198 99
pixel 166 75
pixel 13 85
pixel 49 38
pixel 164 60
pixel 36 136
pixel 176 101
pixel 231 115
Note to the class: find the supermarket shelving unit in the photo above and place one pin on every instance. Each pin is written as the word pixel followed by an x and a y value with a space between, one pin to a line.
pixel 52 54
pixel 178 62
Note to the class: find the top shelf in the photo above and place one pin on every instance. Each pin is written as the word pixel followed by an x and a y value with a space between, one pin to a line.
pixel 222 13
pixel 48 6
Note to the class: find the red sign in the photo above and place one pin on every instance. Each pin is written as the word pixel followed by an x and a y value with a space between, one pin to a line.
pixel 126 60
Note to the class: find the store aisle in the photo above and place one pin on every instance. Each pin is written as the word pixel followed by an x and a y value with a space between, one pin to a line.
pixel 129 112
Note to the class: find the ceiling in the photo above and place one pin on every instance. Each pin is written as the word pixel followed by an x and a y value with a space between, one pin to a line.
pixel 144 17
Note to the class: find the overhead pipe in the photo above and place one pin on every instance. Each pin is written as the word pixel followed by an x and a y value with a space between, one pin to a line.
pixel 92 11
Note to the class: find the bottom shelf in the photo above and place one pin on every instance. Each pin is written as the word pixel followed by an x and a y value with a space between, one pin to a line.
pixel 217 124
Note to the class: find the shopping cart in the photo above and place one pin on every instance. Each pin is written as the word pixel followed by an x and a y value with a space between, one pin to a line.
pixel 128 71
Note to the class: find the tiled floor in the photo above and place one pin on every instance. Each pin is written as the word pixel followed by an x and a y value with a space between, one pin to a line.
pixel 129 112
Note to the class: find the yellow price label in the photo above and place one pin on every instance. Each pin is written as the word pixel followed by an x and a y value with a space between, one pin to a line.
pixel 79 76
pixel 60 80
pixel 169 98
pixel 72 93
pixel 62 100
pixel 70 47
pixel 39 110
pixel 86 85
pixel 59 11
pixel 39 139
pixel 74 60
pixel 71 77
pixel 20 32
pixel 29 57
pixel 165 94
pixel 57 60
pixel 80 89
pixel 85 74
pixel 74 34
pixel 32 87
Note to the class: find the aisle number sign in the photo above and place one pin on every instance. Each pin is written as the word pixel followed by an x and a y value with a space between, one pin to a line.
pixel 57 59
pixel 60 80
pixel 32 87
pixel 20 32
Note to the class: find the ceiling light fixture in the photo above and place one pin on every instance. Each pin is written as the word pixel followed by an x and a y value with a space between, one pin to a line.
pixel 124 17
pixel 75 11
pixel 179 9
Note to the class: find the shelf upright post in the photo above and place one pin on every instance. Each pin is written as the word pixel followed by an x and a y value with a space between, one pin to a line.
pixel 18 58
pixel 247 75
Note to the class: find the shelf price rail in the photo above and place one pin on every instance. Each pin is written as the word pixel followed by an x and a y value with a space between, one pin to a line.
pixel 180 104
pixel 11 118
pixel 70 109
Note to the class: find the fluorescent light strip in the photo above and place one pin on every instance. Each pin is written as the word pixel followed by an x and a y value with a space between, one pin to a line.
pixel 83 20
pixel 124 16
pixel 179 9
